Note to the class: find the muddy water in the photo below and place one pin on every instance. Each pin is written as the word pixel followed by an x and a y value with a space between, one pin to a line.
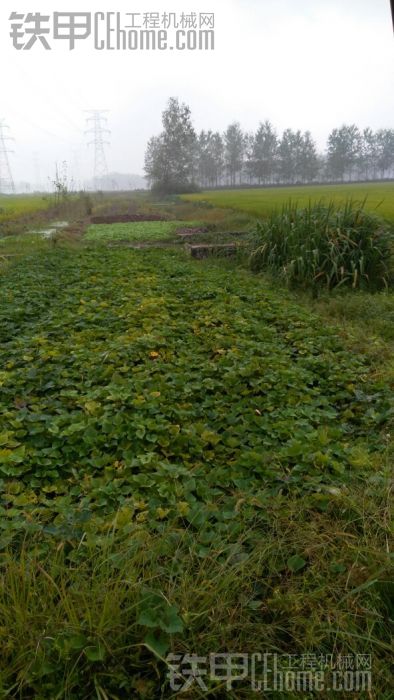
pixel 54 227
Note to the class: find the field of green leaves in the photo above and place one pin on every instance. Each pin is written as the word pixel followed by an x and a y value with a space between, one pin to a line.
pixel 135 231
pixel 260 202
pixel 191 461
pixel 182 388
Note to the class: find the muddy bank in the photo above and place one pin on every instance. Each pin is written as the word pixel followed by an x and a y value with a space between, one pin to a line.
pixel 125 218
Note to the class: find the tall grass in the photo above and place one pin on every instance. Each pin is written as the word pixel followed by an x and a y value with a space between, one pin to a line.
pixel 77 619
pixel 326 245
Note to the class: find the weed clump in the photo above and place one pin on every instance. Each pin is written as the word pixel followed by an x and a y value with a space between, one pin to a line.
pixel 325 245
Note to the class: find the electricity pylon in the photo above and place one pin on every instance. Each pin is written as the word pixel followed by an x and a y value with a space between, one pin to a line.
pixel 98 130
pixel 6 179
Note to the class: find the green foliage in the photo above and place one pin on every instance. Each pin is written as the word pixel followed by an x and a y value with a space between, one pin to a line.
pixel 136 231
pixel 96 615
pixel 296 563
pixel 344 147
pixel 170 159
pixel 138 381
pixel 160 620
pixel 234 150
pixel 324 245
pixel 189 462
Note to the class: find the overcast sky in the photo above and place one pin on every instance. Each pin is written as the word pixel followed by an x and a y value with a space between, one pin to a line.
pixel 305 64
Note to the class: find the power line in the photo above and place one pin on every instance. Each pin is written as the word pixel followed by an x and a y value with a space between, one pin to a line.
pixel 98 130
pixel 6 179
pixel 35 86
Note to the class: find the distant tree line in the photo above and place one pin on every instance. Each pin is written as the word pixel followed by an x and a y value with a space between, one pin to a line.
pixel 180 159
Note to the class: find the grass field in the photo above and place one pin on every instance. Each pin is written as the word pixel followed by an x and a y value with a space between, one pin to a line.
pixel 15 206
pixel 259 202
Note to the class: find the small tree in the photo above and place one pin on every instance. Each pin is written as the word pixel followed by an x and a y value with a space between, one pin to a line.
pixel 288 156
pixel 60 184
pixel 234 145
pixel 369 154
pixel 344 151
pixel 385 149
pixel 308 162
pixel 264 153
pixel 171 157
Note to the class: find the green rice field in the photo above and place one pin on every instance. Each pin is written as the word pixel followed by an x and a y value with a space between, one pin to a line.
pixel 261 201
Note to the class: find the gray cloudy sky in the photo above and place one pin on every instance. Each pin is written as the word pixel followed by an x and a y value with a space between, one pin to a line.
pixel 307 64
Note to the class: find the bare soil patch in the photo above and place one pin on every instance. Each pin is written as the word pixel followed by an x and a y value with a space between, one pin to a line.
pixel 125 218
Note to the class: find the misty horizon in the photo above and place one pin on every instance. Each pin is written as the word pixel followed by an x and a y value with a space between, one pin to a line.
pixel 288 65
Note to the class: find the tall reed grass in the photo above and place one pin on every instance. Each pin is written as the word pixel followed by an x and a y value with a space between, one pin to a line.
pixel 325 244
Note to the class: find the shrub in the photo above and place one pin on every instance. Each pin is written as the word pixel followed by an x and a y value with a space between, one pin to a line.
pixel 174 186
pixel 324 245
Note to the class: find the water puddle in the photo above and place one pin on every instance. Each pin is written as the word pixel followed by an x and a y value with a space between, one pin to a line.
pixel 54 228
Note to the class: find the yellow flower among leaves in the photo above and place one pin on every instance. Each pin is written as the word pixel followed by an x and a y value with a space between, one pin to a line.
pixel 142 517
pixel 183 508
pixel 162 513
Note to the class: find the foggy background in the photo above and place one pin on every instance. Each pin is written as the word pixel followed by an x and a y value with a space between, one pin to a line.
pixel 311 65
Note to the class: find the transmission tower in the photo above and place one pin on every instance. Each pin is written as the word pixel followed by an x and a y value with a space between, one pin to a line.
pixel 6 179
pixel 97 123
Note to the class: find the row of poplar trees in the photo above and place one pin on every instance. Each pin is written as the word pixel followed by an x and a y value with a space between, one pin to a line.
pixel 180 160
